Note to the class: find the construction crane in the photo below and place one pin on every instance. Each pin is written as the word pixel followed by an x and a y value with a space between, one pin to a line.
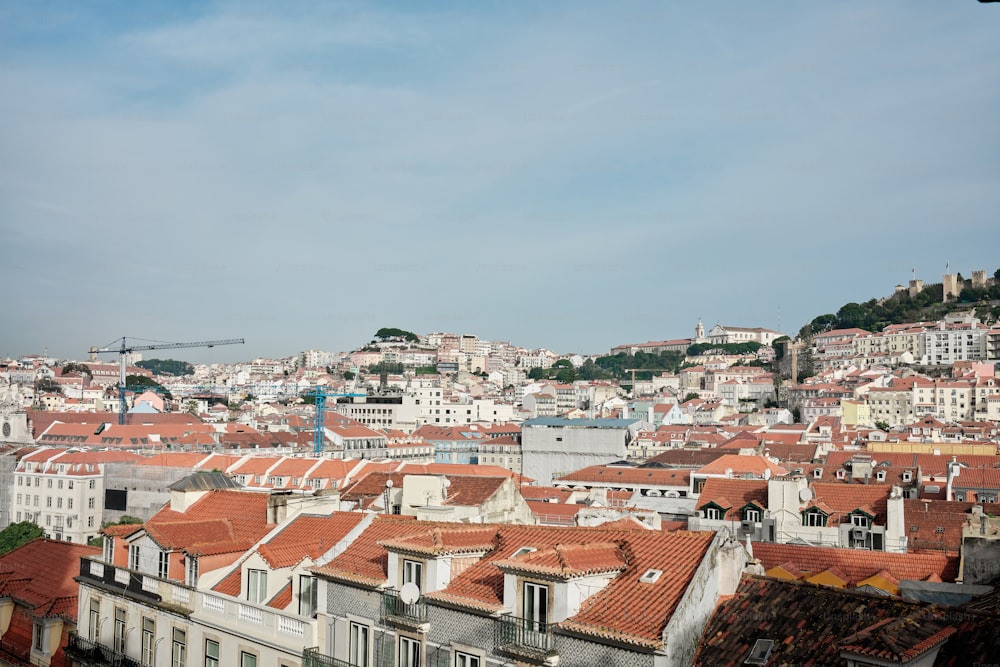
pixel 320 394
pixel 124 348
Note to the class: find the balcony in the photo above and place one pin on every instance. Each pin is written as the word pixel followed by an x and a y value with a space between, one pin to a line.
pixel 524 639
pixel 311 657
pixel 94 654
pixel 406 615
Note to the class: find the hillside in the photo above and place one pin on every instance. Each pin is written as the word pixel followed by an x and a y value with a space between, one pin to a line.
pixel 927 305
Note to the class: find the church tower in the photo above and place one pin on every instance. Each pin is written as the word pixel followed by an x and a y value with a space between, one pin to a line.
pixel 699 332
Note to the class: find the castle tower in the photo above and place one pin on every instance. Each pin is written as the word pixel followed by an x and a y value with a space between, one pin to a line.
pixel 979 279
pixel 951 288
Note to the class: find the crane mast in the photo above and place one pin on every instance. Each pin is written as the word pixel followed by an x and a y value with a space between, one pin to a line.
pixel 124 348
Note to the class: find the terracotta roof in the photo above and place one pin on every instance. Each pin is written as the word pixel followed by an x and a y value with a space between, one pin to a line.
pixel 733 495
pixel 231 584
pixel 39 575
pixel 743 464
pixel 617 475
pixel 439 540
pixel 221 521
pixel 568 560
pixel 308 536
pixel 857 565
pixel 472 490
pixel 282 598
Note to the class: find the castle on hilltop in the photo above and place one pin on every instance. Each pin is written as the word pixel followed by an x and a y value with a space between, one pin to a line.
pixel 951 282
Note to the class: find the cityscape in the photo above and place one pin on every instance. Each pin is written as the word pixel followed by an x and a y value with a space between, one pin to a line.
pixel 499 334
pixel 441 498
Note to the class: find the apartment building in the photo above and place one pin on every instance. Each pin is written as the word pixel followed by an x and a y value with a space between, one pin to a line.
pixel 63 491
pixel 220 577
pixel 412 593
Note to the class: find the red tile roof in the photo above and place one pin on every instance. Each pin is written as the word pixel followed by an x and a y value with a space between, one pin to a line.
pixel 39 575
pixel 856 565
pixel 733 495
pixel 222 521
pixel 308 536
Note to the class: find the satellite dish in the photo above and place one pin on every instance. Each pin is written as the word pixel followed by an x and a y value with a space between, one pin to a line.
pixel 805 495
pixel 409 593
pixel 388 483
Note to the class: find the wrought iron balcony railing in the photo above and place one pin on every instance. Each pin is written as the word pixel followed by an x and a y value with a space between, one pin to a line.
pixel 394 609
pixel 524 637
pixel 311 657
pixel 95 654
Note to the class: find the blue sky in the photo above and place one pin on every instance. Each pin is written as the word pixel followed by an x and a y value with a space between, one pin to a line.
pixel 570 175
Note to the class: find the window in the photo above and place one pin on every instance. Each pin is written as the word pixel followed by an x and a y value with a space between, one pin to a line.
pixel 59 502
pixel 94 621
pixel 133 556
pixel 307 595
pixel 357 649
pixel 120 629
pixel 163 565
pixel 91 503
pixel 751 515
pixel 92 484
pixel 814 519
pixel 90 522
pixel 39 639
pixel 211 653
pixel 256 586
pixel 19 499
pixel 69 503
pixel 412 573
pixel 49 483
pixel 712 513
pixel 148 641
pixel 247 659
pixel 178 648
pixel 859 520
pixel 60 485
pixel 409 652
pixel 466 660
pixel 536 605
pixel 71 483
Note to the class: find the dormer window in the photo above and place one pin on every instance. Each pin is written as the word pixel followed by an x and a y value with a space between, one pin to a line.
pixel 413 573
pixel 860 520
pixel 818 473
pixel 713 513
pixel 880 476
pixel 907 476
pixel 751 514
pixel 841 474
pixel 814 517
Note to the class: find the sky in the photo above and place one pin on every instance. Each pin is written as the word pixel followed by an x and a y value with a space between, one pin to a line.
pixel 572 175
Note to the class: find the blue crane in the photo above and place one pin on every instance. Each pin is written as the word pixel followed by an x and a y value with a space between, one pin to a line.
pixel 125 348
pixel 320 395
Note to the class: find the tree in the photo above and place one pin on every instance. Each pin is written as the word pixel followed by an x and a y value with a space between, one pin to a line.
pixel 348 375
pixel 386 333
pixel 191 407
pixel 566 374
pixel 690 397
pixel 73 367
pixel 17 534
pixel 48 385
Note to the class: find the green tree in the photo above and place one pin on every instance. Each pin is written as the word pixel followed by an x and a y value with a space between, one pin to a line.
pixel 17 534
pixel 348 375
pixel 386 333
pixel 690 397
pixel 73 367
pixel 47 385
pixel 566 374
